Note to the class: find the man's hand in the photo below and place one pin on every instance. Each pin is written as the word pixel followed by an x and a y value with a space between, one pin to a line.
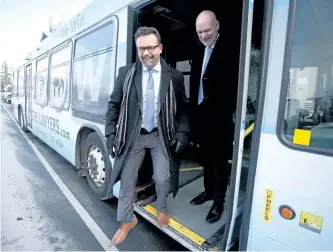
pixel 110 144
pixel 180 140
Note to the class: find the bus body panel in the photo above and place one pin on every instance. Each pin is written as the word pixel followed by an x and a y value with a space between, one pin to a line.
pixel 260 242
pixel 285 176
pixel 300 180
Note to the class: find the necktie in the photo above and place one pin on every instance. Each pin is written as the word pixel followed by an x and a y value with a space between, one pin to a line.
pixel 200 95
pixel 149 105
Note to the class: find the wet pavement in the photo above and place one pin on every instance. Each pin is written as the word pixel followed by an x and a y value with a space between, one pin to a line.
pixel 35 213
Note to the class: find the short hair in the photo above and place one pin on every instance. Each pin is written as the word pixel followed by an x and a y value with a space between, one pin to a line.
pixel 144 30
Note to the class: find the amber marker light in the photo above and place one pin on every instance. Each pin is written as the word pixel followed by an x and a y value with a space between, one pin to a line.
pixel 287 212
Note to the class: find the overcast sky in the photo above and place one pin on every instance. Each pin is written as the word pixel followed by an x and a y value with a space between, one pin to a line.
pixel 23 21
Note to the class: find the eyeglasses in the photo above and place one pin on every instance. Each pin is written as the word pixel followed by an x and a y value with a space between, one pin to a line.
pixel 148 48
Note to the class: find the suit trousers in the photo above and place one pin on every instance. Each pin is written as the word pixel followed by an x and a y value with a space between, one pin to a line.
pixel 215 151
pixel 129 175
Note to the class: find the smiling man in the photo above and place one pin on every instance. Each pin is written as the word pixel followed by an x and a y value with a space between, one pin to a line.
pixel 213 95
pixel 146 112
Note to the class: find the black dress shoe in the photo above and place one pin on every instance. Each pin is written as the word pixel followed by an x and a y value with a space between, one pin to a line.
pixel 201 198
pixel 214 213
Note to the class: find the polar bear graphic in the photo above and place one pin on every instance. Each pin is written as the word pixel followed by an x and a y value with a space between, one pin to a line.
pixel 58 85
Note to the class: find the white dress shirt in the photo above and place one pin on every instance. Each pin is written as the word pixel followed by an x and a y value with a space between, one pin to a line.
pixel 157 79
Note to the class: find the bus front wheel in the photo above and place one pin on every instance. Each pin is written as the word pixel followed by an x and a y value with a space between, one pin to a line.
pixel 98 166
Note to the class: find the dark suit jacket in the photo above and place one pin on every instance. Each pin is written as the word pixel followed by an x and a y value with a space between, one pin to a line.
pixel 135 114
pixel 220 82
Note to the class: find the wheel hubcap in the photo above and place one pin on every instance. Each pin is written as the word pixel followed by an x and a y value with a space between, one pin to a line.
pixel 96 166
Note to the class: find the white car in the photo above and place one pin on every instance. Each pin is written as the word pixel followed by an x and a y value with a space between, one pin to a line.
pixel 6 94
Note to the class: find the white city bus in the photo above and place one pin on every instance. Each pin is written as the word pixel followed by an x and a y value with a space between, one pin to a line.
pixel 280 195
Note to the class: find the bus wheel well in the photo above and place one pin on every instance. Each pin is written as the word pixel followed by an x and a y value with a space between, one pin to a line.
pixel 80 148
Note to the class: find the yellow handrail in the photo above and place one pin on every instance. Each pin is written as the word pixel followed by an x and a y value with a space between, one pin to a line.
pixel 246 133
pixel 249 130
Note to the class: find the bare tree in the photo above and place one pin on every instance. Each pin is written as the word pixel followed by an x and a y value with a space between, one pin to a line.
pixel 53 26
pixel 5 75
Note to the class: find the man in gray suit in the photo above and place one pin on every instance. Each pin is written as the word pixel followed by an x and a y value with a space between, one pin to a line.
pixel 147 111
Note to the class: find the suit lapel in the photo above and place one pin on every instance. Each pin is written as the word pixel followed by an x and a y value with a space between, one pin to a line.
pixel 138 84
pixel 201 59
pixel 165 83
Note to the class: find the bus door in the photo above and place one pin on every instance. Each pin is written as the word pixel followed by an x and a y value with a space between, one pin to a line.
pixel 28 88
pixel 289 193
pixel 243 126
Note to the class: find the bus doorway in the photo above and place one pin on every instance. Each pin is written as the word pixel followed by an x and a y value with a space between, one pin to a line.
pixel 175 20
pixel 28 100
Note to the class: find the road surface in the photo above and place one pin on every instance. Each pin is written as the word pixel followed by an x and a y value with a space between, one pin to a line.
pixel 38 214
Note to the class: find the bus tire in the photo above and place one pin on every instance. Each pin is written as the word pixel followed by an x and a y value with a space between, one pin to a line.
pixel 98 166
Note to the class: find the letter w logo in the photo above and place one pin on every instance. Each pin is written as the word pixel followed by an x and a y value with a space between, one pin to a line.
pixel 89 73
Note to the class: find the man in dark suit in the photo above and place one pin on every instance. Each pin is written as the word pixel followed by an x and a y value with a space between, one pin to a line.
pixel 213 95
pixel 146 111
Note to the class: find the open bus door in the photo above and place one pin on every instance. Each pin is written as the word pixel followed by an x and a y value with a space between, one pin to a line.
pixel 243 127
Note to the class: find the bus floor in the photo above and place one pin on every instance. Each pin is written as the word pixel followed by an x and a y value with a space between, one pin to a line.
pixel 189 220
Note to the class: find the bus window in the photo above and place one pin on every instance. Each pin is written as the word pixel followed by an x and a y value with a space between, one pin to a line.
pixel 92 78
pixel 185 68
pixel 59 78
pixel 308 115
pixel 41 81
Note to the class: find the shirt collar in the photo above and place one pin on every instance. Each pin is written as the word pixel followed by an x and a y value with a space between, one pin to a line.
pixel 157 68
